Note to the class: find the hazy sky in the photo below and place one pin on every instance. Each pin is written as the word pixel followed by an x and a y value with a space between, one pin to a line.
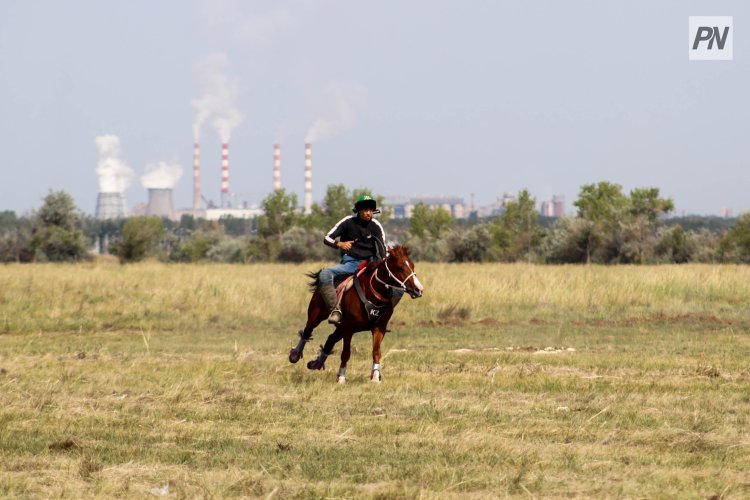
pixel 426 97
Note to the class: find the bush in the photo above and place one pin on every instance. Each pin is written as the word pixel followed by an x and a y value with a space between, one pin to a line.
pixel 140 238
pixel 473 245
pixel 427 249
pixel 676 245
pixel 228 250
pixel 299 244
pixel 567 241
pixel 734 246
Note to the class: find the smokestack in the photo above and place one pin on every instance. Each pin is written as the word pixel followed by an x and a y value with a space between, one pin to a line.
pixel 196 177
pixel 224 174
pixel 276 167
pixel 160 203
pixel 308 179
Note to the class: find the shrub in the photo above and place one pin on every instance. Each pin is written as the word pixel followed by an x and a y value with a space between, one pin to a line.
pixel 299 244
pixel 140 238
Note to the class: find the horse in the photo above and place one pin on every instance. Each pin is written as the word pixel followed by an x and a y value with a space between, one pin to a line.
pixel 369 308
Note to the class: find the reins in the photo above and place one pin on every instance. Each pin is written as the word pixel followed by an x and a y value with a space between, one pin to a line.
pixel 393 277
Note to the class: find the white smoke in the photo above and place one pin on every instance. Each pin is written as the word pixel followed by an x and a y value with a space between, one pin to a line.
pixel 161 175
pixel 262 30
pixel 345 99
pixel 114 174
pixel 217 101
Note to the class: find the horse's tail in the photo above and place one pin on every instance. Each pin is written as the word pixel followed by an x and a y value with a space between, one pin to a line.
pixel 315 277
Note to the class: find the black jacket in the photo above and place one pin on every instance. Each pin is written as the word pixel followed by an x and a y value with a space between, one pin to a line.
pixel 352 227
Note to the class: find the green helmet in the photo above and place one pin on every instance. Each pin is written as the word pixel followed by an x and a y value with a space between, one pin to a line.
pixel 365 201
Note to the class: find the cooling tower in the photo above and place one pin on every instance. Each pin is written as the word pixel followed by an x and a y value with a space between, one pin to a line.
pixel 111 206
pixel 160 203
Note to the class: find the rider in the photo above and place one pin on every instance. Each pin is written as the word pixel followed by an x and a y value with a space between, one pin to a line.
pixel 360 237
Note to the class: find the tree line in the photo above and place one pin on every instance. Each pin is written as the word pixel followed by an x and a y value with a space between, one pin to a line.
pixel 610 227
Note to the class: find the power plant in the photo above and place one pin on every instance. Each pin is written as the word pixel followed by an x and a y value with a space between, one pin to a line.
pixel 160 179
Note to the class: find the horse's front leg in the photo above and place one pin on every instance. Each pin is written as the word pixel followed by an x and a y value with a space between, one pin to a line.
pixel 326 350
pixel 377 337
pixel 345 355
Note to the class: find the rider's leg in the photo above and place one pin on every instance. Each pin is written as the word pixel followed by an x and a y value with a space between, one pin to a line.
pixel 326 288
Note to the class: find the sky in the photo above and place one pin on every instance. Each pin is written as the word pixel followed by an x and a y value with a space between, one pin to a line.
pixel 412 97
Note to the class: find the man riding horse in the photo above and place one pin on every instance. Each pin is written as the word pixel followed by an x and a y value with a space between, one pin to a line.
pixel 359 237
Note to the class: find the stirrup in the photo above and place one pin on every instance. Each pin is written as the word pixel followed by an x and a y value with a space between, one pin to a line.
pixel 335 317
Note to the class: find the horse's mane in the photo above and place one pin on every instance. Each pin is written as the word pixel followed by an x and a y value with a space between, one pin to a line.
pixel 401 251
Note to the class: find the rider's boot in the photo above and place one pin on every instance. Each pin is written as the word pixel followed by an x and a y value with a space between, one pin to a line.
pixel 328 292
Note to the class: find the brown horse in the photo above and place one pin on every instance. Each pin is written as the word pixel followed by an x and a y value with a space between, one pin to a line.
pixel 377 283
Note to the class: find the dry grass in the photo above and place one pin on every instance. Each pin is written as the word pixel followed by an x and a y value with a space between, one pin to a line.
pixel 504 380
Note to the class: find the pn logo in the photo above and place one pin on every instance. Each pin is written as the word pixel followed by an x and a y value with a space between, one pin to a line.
pixel 710 38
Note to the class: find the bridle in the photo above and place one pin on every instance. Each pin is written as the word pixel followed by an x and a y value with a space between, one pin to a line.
pixel 393 276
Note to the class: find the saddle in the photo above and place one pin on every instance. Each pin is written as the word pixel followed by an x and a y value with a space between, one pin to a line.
pixel 349 280
pixel 373 311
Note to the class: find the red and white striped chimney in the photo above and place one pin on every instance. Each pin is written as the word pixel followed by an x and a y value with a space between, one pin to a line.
pixel 224 174
pixel 308 179
pixel 196 177
pixel 276 167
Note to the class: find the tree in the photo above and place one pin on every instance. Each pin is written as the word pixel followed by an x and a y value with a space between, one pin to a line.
pixel 645 202
pixel 280 213
pixel 56 234
pixel 600 205
pixel 515 230
pixel 337 203
pixel 420 217
pixel 432 222
pixel 600 202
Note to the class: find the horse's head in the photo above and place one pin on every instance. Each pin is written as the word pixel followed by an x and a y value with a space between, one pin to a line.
pixel 401 272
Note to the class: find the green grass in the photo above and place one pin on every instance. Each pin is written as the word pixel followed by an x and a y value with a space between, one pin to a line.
pixel 504 380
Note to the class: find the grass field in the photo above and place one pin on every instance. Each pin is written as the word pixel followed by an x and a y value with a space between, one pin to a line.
pixel 503 380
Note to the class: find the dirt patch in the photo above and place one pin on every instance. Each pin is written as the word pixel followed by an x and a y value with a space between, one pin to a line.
pixel 70 444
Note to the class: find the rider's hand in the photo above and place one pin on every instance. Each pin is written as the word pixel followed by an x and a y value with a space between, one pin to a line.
pixel 345 245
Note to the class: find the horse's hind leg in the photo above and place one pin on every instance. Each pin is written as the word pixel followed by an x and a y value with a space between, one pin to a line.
pixel 326 350
pixel 345 355
pixel 315 314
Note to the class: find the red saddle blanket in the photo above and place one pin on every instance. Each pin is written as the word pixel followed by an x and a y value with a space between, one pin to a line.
pixel 349 280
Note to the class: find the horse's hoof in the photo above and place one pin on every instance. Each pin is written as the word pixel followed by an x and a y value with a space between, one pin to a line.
pixel 316 365
pixel 295 355
pixel 375 376
pixel 341 379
